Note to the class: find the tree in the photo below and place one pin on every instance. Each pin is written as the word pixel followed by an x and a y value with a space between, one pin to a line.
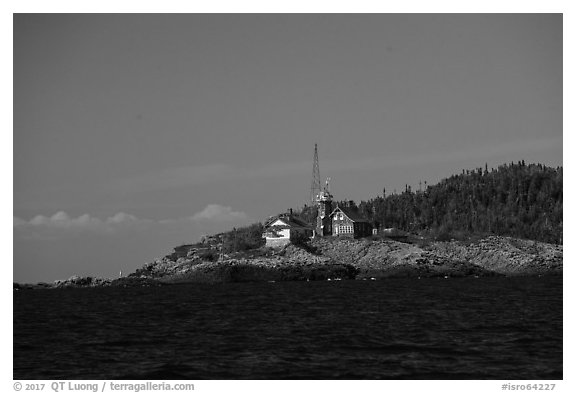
pixel 515 199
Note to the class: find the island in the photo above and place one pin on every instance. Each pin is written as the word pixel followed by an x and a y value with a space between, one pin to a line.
pixel 506 221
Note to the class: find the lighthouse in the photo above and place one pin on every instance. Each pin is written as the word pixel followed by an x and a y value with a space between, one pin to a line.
pixel 324 201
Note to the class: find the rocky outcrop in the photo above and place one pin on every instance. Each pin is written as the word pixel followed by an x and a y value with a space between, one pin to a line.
pixel 136 282
pixel 72 282
pixel 287 264
pixel 388 258
pixel 340 259
pixel 77 281
pixel 331 258
pixel 505 255
pixel 488 256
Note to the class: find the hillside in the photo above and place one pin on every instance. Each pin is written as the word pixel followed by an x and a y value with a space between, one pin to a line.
pixel 341 259
pixel 517 200
pixel 327 258
pixel 506 221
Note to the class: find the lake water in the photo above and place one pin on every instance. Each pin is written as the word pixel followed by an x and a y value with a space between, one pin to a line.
pixel 485 328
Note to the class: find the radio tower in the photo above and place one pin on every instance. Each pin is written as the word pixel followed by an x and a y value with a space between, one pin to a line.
pixel 315 188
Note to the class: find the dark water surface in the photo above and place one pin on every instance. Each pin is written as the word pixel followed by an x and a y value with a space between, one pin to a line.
pixel 485 328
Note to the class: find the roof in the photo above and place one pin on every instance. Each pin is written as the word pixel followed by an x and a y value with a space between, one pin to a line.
pixel 290 220
pixel 351 214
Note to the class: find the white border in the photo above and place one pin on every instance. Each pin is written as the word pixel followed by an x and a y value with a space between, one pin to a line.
pixel 301 6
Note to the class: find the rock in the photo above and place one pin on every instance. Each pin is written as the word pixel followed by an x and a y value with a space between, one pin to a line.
pixel 82 282
pixel 331 258
pixel 132 281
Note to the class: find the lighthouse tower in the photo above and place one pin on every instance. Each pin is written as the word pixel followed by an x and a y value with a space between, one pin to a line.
pixel 324 201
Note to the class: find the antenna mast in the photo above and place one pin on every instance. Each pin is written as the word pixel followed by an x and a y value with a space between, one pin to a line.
pixel 315 188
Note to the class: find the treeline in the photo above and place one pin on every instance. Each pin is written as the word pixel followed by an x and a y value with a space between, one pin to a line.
pixel 518 200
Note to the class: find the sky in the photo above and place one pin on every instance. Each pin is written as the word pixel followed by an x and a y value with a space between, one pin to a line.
pixel 133 134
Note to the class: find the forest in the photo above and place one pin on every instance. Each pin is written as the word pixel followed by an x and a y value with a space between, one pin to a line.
pixel 516 199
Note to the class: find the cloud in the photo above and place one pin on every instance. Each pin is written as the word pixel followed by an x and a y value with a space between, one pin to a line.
pixel 121 218
pixel 48 246
pixel 219 213
pixel 61 220
pixel 18 222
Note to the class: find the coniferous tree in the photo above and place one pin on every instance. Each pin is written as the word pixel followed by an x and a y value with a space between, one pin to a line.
pixel 515 199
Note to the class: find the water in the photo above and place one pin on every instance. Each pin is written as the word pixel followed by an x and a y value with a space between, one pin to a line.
pixel 486 328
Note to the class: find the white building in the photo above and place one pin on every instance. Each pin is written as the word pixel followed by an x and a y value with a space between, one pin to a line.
pixel 282 229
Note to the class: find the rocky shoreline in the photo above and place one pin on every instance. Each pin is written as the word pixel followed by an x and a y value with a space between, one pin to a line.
pixel 341 259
